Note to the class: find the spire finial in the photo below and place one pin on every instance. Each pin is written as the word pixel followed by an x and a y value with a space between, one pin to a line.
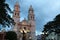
pixel 30 6
pixel 17 2
pixel 30 9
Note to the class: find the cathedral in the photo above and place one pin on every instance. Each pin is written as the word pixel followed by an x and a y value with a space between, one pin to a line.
pixel 25 29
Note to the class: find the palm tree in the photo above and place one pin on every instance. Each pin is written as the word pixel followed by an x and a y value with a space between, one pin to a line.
pixel 5 19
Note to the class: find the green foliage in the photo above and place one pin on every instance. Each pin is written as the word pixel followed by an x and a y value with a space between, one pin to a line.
pixel 5 18
pixel 11 35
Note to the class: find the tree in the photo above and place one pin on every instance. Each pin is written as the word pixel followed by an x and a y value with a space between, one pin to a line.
pixel 5 19
pixel 50 25
pixel 57 23
pixel 53 25
pixel 57 19
pixel 11 35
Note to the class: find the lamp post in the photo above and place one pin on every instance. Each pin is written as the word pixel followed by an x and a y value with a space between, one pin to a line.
pixel 23 31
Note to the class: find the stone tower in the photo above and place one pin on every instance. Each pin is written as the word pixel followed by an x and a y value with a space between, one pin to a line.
pixel 16 16
pixel 31 20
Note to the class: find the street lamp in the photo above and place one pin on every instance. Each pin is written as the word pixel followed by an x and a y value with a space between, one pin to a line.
pixel 23 31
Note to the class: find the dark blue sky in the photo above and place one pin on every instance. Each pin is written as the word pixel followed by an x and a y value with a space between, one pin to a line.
pixel 44 10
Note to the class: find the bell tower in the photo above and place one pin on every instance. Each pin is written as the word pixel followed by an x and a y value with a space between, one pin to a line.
pixel 16 14
pixel 31 13
pixel 31 20
pixel 16 18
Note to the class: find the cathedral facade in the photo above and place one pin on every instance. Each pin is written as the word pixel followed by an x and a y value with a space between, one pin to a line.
pixel 25 29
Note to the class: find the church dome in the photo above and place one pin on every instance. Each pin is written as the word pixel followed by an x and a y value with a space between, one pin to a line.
pixel 24 22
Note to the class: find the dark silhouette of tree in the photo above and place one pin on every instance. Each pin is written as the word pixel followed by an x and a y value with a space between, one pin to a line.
pixel 11 35
pixel 49 26
pixel 53 25
pixel 5 19
pixel 57 23
pixel 57 20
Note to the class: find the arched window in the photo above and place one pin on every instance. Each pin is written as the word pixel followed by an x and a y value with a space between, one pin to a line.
pixel 15 13
pixel 18 14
